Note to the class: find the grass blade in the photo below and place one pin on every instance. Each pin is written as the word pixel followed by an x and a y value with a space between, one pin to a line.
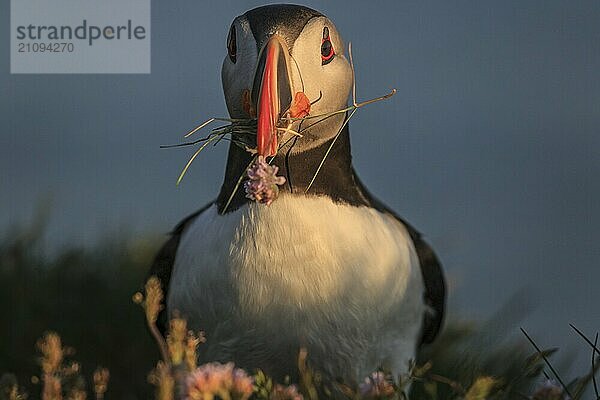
pixel 558 378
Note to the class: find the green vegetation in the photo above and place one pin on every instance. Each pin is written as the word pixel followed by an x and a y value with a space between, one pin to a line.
pixel 85 295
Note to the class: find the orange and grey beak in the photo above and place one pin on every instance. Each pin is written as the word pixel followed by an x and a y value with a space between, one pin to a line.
pixel 272 94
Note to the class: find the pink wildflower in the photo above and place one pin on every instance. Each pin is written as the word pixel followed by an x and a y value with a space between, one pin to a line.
pixel 262 182
pixel 377 385
pixel 281 392
pixel 242 386
pixel 218 380
pixel 549 390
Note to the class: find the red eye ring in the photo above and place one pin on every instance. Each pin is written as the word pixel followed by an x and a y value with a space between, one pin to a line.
pixel 327 51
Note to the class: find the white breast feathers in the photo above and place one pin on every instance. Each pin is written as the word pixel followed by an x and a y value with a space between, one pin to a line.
pixel 262 281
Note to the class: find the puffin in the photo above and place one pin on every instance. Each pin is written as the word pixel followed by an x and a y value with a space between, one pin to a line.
pixel 325 266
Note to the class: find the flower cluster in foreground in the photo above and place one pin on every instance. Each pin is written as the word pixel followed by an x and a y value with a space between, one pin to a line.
pixel 281 392
pixel 218 380
pixel 377 385
pixel 550 390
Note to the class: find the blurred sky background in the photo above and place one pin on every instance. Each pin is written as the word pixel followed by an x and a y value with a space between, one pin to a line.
pixel 491 146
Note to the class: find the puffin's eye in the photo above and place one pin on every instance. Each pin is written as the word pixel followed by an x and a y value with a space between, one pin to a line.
pixel 231 44
pixel 327 51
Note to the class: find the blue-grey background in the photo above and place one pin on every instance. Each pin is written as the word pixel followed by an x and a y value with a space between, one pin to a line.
pixel 491 146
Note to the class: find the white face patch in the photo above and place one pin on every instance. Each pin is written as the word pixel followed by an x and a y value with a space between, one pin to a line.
pixel 237 77
pixel 332 81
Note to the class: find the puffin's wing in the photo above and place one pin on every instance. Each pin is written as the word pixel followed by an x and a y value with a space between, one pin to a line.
pixel 431 270
pixel 162 267
pixel 435 288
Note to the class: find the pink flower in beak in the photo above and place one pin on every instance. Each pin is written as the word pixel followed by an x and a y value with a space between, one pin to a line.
pixel 262 183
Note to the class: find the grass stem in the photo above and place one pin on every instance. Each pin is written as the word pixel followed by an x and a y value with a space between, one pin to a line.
pixel 547 362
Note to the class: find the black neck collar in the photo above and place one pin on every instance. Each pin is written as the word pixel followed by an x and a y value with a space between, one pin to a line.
pixel 336 179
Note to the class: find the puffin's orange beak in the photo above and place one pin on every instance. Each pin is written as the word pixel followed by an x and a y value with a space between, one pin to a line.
pixel 272 94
